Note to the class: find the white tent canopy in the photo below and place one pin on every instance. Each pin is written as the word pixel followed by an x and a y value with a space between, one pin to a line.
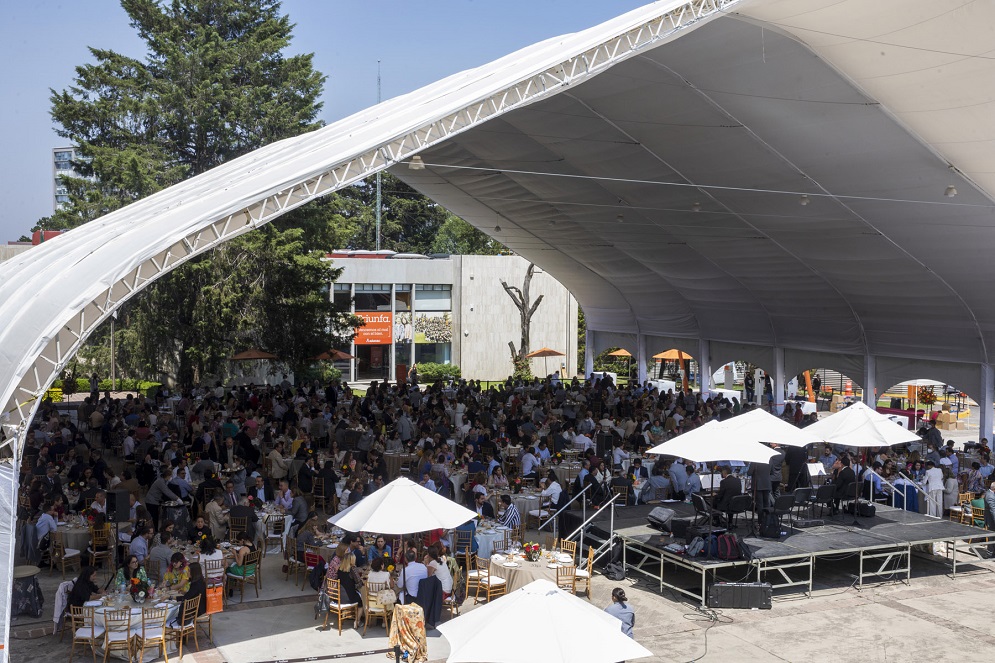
pixel 656 165
pixel 558 627
pixel 860 426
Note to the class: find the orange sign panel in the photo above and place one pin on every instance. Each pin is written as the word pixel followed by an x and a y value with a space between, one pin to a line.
pixel 377 330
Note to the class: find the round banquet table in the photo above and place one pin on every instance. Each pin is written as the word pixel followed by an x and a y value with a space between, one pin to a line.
pixel 458 479
pixel 521 575
pixel 394 462
pixel 486 538
pixel 566 472
pixel 172 612
pixel 77 538
pixel 524 501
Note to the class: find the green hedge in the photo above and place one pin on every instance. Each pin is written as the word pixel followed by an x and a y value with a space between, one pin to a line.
pixel 429 372
pixel 123 384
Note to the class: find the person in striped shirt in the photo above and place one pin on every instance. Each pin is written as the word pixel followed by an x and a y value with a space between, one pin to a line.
pixel 511 517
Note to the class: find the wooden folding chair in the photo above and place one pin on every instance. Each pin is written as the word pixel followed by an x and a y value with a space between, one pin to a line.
pixel 247 577
pixel 64 557
pixel 449 603
pixel 236 526
pixel 335 605
pixel 100 549
pixel 492 585
pixel 566 577
pixel 585 572
pixel 274 532
pixel 185 626
pixel 374 608
pixel 85 630
pixel 117 632
pixel 318 492
pixel 152 632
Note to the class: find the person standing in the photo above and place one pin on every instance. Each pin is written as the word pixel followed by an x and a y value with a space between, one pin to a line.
pixel 622 610
pixel 776 462
pixel 934 486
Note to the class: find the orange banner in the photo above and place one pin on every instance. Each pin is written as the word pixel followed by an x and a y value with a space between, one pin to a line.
pixel 377 330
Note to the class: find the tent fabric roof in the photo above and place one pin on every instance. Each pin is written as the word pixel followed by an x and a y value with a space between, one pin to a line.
pixel 670 105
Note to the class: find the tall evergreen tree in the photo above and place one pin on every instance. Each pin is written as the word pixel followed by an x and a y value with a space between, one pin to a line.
pixel 213 85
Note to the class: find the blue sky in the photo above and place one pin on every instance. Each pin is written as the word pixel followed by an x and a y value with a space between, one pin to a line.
pixel 417 41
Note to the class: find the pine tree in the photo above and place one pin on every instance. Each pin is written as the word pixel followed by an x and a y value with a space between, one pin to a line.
pixel 213 85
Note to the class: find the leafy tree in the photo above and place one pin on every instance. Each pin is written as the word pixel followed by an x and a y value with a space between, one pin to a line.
pixel 456 236
pixel 214 85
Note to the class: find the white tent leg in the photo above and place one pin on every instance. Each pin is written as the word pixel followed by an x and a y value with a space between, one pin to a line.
pixel 985 397
pixel 870 383
pixel 778 380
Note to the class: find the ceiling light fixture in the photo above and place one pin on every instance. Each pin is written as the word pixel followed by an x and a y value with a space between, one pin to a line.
pixel 803 200
pixel 620 218
pixel 951 191
pixel 696 207
pixel 416 163
pixel 497 229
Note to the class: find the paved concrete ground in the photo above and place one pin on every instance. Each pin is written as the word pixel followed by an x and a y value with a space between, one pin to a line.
pixel 936 617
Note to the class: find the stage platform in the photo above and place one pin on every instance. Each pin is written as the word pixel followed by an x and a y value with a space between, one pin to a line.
pixel 885 545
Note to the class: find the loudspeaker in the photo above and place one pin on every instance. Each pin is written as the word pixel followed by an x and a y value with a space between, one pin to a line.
pixel 751 595
pixel 118 506
pixel 661 518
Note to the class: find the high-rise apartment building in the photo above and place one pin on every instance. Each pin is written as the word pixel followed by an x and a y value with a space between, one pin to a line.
pixel 62 166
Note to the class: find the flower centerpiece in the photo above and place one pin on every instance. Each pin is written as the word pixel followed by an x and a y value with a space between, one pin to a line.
pixel 531 551
pixel 516 485
pixel 139 590
pixel 558 457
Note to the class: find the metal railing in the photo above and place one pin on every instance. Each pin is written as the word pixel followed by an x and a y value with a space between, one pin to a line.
pixel 554 518
pixel 919 489
pixel 611 531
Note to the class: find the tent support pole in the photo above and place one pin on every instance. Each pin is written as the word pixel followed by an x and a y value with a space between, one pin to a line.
pixel 985 397
pixel 870 386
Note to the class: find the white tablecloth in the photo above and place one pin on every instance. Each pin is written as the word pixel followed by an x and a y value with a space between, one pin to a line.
pixel 487 539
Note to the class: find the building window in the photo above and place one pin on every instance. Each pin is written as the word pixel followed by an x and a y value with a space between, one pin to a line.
pixel 342 296
pixel 372 297
pixel 433 297
pixel 402 298
pixel 436 353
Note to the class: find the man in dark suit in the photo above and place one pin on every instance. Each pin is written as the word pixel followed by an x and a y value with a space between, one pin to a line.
pixel 231 497
pixel 843 478
pixel 262 491
pixel 729 487
pixel 243 510
pixel 483 507
pixel 637 471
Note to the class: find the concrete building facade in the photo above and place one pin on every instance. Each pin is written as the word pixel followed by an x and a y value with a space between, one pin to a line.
pixel 450 309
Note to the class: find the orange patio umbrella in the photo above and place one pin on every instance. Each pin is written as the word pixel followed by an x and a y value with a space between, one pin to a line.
pixel 676 355
pixel 622 352
pixel 544 353
pixel 253 353
pixel 334 355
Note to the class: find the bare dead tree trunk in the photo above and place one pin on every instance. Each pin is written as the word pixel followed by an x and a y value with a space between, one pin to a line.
pixel 526 309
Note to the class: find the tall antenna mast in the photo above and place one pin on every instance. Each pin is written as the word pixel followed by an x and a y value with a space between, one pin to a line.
pixel 378 172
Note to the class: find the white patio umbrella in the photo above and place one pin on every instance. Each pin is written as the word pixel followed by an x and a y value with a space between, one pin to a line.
pixel 572 630
pixel 713 442
pixel 860 426
pixel 402 507
pixel 762 426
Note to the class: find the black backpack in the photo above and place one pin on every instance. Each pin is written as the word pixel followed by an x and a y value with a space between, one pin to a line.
pixel 317 577
pixel 770 528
